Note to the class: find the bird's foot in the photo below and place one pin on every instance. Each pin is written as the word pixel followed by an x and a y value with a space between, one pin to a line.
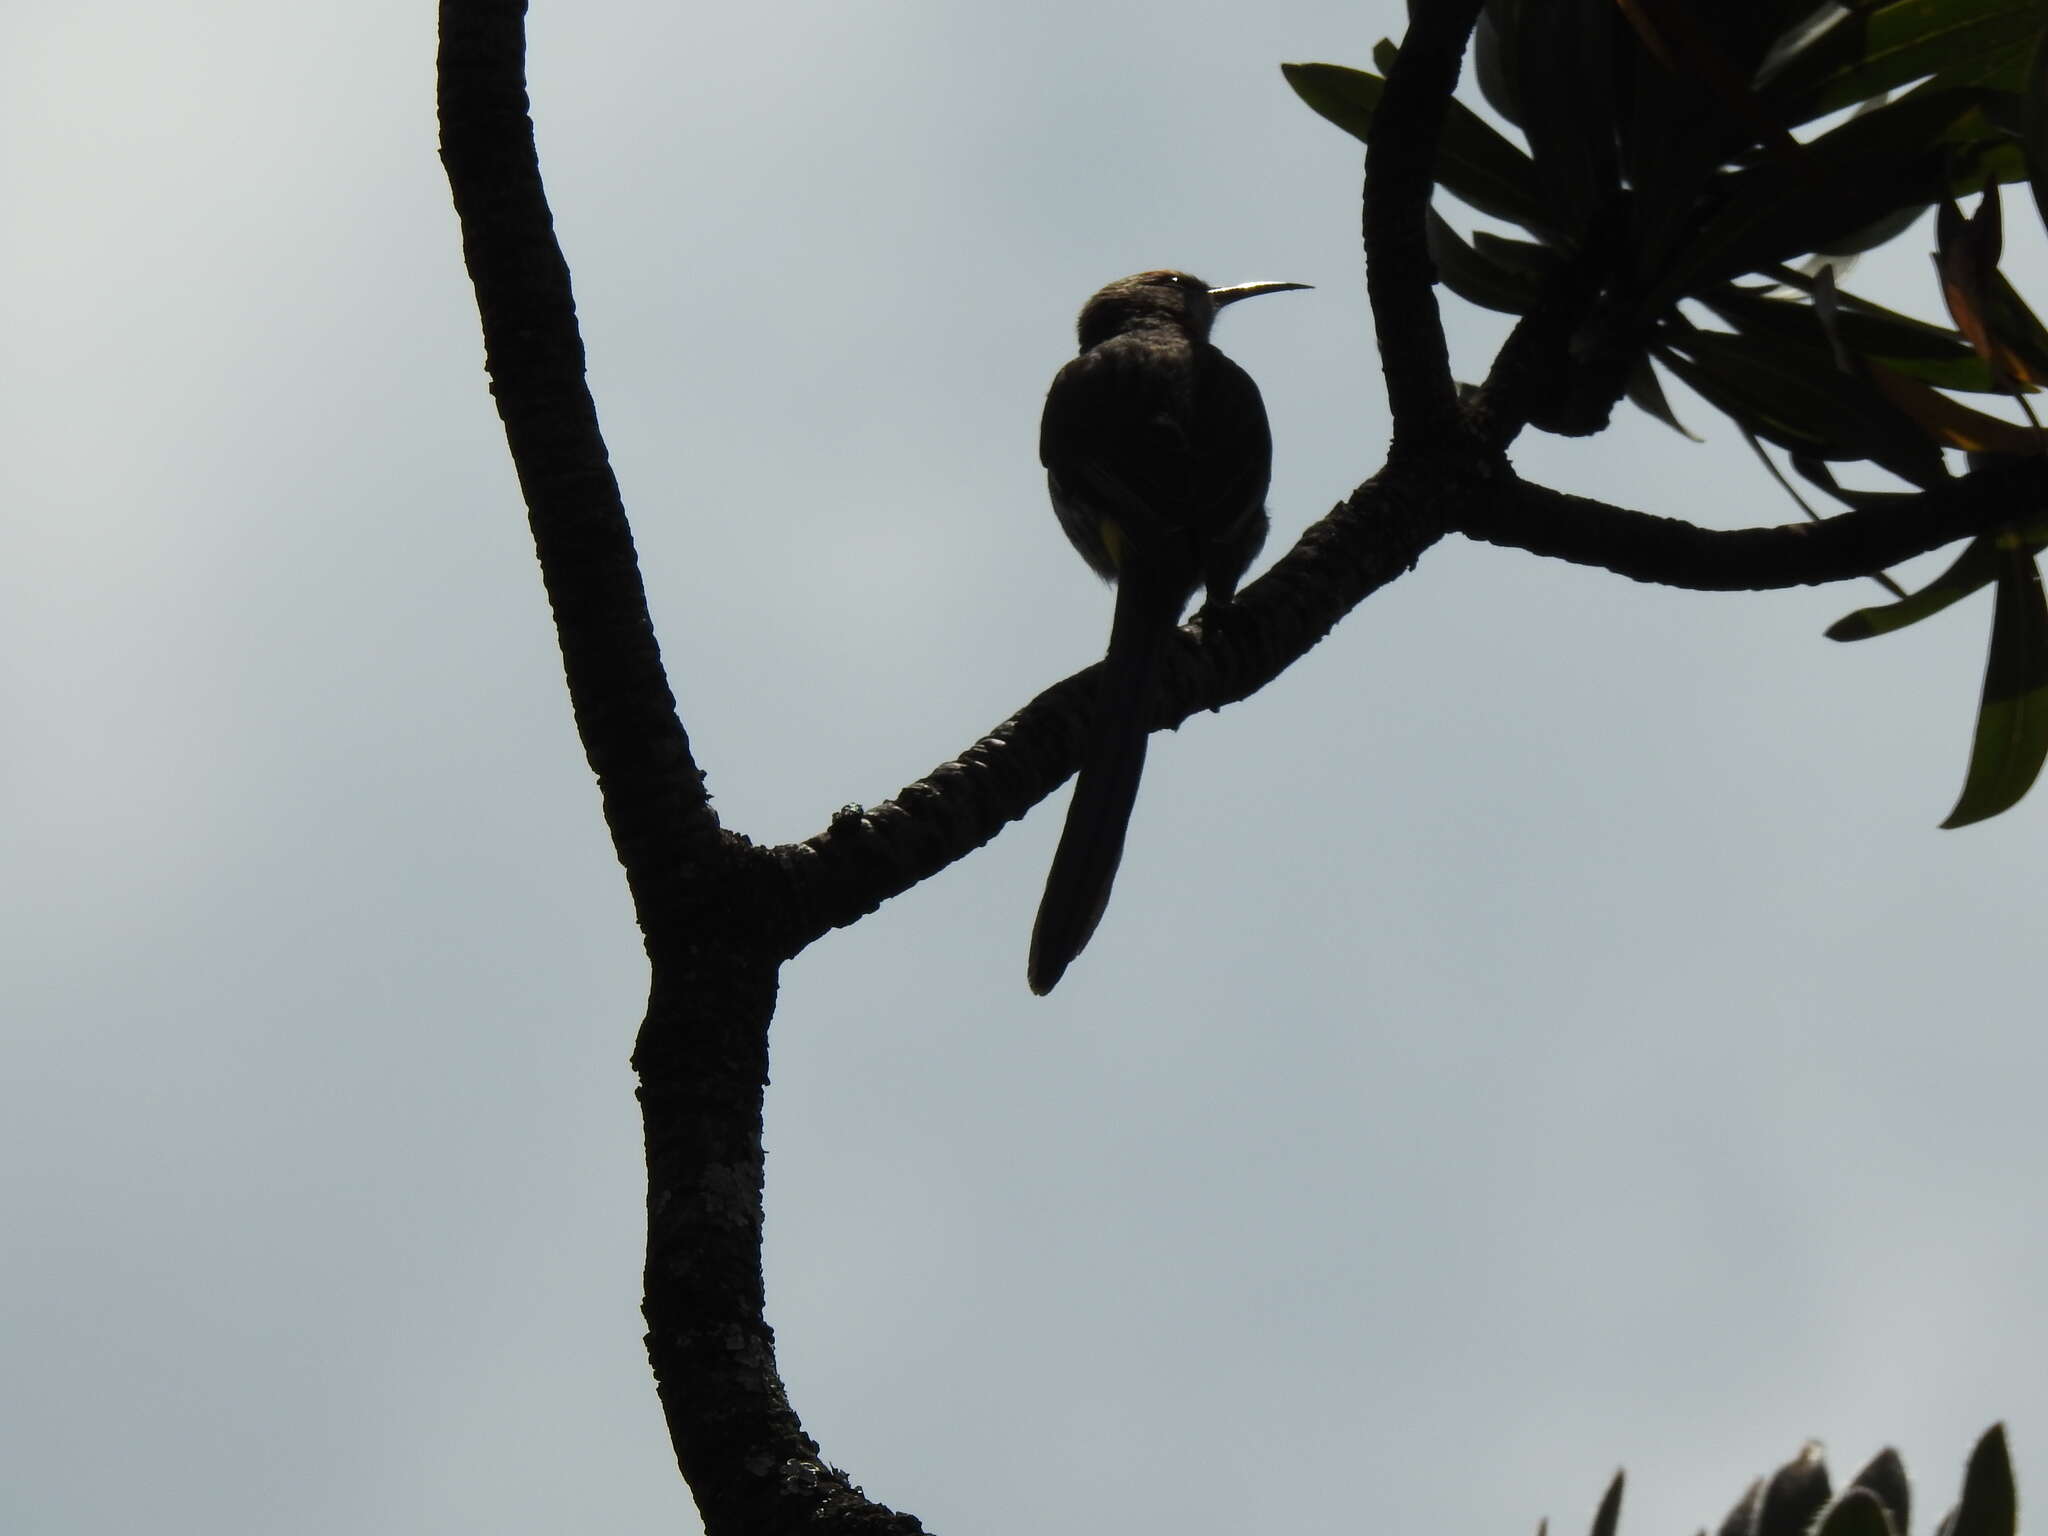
pixel 1211 623
pixel 1212 620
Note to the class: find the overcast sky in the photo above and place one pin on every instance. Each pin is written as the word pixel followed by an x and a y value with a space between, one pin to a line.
pixel 1544 1031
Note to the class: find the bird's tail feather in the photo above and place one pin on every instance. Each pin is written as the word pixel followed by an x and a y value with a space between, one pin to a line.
pixel 1092 841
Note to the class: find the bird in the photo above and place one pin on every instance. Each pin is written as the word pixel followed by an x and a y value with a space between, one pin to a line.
pixel 1157 457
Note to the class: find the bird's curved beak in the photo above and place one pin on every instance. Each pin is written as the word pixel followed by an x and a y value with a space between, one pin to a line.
pixel 1222 296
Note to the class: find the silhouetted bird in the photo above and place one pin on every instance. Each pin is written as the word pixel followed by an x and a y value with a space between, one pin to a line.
pixel 1157 454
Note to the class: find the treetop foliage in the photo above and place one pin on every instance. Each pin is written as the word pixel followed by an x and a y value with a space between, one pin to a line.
pixel 1710 172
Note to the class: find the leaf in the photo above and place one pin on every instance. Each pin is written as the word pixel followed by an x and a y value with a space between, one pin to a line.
pixel 1883 46
pixel 1934 354
pixel 1646 391
pixel 1795 397
pixel 1885 1477
pixel 1675 141
pixel 1976 567
pixel 1817 473
pixel 1856 1513
pixel 1745 411
pixel 1741 1519
pixel 1789 489
pixel 1778 475
pixel 1347 97
pixel 2034 122
pixel 1911 345
pixel 1608 1516
pixel 2019 345
pixel 1535 262
pixel 1494 63
pixel 1827 309
pixel 2006 757
pixel 1473 162
pixel 1564 74
pixel 1674 36
pixel 1796 1493
pixel 1877 232
pixel 1989 1506
pixel 1966 259
pixel 1473 276
pixel 1907 154
pixel 1950 422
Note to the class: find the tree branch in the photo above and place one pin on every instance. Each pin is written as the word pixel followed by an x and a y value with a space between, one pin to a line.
pixel 702 1054
pixel 654 799
pixel 1400 178
pixel 1534 365
pixel 866 856
pixel 1674 553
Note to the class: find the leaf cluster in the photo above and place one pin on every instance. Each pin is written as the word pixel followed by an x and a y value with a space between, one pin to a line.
pixel 1707 172
pixel 1798 1499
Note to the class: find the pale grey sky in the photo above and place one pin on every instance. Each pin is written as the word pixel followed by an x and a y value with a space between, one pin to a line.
pixel 1543 1032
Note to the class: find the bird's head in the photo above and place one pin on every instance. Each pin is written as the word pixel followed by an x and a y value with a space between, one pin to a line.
pixel 1162 298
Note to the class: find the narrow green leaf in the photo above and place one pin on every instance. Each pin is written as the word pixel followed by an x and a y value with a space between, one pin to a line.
pixel 1903 155
pixel 1795 397
pixel 1884 1475
pixel 1880 47
pixel 1535 262
pixel 1565 86
pixel 1966 259
pixel 1608 1516
pixel 1473 276
pixel 1695 45
pixel 2034 121
pixel 1816 472
pixel 1950 422
pixel 1741 1519
pixel 1989 1506
pixel 1995 69
pixel 1494 63
pixel 1969 375
pixel 1744 410
pixel 2019 332
pixel 1827 309
pixel 1933 354
pixel 1347 97
pixel 1796 1493
pixel 2006 757
pixel 1975 567
pixel 1646 391
pixel 1674 141
pixel 1878 231
pixel 1778 475
pixel 1474 163
pixel 1856 1513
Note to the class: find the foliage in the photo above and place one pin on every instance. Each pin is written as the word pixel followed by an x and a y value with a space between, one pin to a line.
pixel 1797 1499
pixel 1713 170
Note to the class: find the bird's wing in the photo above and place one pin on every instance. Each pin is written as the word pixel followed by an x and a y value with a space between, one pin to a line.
pixel 1233 464
pixel 1117 443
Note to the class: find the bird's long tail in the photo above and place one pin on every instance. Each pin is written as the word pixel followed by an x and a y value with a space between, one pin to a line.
pixel 1092 842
